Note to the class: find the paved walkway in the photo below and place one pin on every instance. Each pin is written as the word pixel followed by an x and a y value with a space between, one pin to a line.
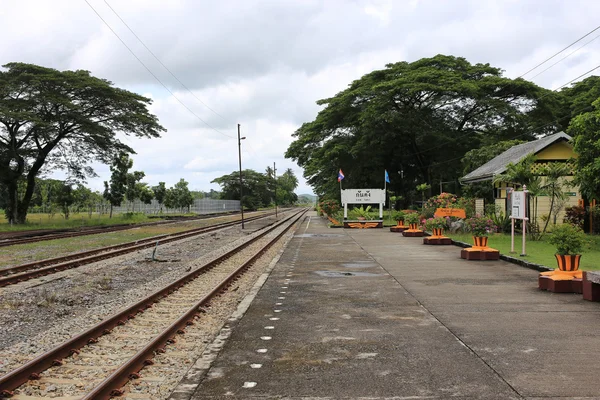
pixel 371 314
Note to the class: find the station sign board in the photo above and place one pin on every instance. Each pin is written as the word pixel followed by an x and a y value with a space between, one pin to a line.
pixel 450 212
pixel 363 196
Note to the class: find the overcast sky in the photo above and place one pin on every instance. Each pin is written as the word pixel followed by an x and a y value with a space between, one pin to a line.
pixel 263 64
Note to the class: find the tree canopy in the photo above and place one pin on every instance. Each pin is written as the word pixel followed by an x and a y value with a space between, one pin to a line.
pixel 419 119
pixel 258 189
pixel 586 131
pixel 52 119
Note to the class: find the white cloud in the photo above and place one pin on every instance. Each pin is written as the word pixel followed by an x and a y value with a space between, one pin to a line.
pixel 263 64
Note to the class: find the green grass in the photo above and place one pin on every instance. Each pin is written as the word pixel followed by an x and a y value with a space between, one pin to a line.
pixel 46 221
pixel 538 252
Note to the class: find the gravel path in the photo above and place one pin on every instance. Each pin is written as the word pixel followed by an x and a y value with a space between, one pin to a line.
pixel 39 314
pixel 82 372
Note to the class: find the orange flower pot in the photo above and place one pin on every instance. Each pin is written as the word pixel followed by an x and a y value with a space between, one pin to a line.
pixel 438 231
pixel 568 262
pixel 400 223
pixel 413 226
pixel 480 241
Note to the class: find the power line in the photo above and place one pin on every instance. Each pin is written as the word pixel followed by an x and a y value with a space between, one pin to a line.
pixel 152 73
pixel 159 61
pixel 568 55
pixel 585 73
pixel 550 58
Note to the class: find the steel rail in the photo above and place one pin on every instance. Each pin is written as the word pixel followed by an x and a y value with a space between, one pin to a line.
pixel 99 256
pixel 41 235
pixel 80 255
pixel 111 386
pixel 53 357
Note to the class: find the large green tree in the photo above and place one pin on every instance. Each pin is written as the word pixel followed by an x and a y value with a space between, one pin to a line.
pixel 52 119
pixel 418 119
pixel 585 128
pixel 256 188
pixel 286 184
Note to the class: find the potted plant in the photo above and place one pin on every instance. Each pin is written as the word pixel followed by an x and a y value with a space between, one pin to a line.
pixel 412 219
pixel 436 225
pixel 399 217
pixel 480 227
pixel 569 241
pixel 362 213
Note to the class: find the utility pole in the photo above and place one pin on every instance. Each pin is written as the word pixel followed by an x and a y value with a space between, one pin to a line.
pixel 275 177
pixel 241 184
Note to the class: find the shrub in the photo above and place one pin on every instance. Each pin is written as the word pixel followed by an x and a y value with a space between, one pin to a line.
pixel 361 212
pixel 575 216
pixel 480 226
pixel 567 238
pixel 435 223
pixel 412 218
pixel 330 207
pixel 399 215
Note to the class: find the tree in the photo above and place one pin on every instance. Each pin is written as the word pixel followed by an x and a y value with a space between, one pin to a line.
pixel 145 193
pixel 183 197
pixel 519 175
pixel 286 184
pixel 179 196
pixel 256 189
pixel 475 158
pixel 585 129
pixel 132 188
pixel 553 187
pixel 84 199
pixel 418 118
pixel 52 119
pixel 65 198
pixel 114 192
pixel 160 192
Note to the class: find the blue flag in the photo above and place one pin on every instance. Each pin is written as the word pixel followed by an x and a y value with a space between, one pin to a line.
pixel 387 177
pixel 340 175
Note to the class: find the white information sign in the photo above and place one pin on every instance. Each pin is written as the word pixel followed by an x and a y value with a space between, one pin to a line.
pixel 518 205
pixel 363 196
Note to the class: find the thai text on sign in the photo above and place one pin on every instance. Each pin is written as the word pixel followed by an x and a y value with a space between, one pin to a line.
pixel 450 212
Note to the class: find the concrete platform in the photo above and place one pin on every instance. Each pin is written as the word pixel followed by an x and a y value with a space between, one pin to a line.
pixel 350 314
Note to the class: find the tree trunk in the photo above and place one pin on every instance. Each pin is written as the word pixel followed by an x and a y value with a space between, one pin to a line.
pixel 111 207
pixel 13 202
pixel 24 205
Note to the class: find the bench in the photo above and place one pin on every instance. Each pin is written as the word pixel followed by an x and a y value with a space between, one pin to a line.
pixel 591 285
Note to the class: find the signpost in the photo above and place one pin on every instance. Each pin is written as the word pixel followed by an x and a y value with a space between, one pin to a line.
pixel 518 211
pixel 363 196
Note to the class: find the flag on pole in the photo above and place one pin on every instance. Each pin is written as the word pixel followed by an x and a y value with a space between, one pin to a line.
pixel 340 175
pixel 387 177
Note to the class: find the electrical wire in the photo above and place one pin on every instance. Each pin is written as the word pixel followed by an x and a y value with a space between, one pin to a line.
pixel 568 55
pixel 152 73
pixel 159 61
pixel 550 58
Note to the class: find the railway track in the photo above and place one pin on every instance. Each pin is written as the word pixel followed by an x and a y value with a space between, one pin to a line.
pixel 6 239
pixel 37 269
pixel 97 363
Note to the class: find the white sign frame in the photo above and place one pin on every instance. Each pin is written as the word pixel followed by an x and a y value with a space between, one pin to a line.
pixel 518 205
pixel 363 196
pixel 518 211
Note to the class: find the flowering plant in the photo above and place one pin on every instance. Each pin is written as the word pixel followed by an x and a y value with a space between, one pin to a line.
pixel 330 207
pixel 481 226
pixel 435 223
pixel 412 218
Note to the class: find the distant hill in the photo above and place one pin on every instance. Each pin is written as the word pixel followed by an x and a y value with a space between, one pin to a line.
pixel 311 197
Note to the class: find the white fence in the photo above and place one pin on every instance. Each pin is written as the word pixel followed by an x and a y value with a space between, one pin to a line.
pixel 200 206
